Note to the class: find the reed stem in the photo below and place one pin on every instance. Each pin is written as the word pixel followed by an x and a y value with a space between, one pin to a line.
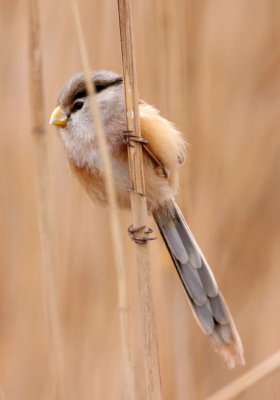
pixel 249 379
pixel 138 203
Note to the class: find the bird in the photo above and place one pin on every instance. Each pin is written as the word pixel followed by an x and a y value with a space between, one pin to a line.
pixel 164 149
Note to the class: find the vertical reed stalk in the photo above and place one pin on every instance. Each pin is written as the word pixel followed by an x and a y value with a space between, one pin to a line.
pixel 44 208
pixel 113 210
pixel 138 203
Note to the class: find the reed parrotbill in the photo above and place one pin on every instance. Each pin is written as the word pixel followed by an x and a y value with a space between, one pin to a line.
pixel 163 152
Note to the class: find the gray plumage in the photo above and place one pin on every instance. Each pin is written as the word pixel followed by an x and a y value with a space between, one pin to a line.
pixel 202 290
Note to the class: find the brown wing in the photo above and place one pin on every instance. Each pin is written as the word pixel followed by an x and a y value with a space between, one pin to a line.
pixel 166 146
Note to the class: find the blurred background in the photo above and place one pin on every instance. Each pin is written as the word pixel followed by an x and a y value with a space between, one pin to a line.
pixel 211 67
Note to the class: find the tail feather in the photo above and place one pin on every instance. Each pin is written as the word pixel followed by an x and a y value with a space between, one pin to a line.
pixel 207 303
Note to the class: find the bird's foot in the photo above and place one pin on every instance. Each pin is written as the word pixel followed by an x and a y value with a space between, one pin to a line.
pixel 132 230
pixel 129 137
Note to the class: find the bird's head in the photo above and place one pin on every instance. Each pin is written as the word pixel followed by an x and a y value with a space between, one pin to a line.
pixel 73 116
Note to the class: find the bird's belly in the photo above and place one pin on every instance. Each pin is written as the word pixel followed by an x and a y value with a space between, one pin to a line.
pixel 157 190
pixel 93 180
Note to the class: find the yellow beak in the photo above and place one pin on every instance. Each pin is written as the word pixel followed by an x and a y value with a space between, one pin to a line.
pixel 59 117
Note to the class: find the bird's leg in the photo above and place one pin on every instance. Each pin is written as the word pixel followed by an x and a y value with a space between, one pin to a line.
pixel 128 138
pixel 157 163
pixel 132 230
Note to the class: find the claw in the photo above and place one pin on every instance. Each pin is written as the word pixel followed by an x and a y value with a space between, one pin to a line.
pixel 140 239
pixel 136 191
pixel 129 137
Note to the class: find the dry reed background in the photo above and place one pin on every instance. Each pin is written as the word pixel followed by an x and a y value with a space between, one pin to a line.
pixel 212 67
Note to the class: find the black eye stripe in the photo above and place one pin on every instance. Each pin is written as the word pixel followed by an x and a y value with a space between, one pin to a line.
pixel 80 94
pixel 99 86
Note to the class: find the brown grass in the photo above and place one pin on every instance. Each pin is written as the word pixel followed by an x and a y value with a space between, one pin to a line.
pixel 128 390
pixel 249 379
pixel 213 69
pixel 45 221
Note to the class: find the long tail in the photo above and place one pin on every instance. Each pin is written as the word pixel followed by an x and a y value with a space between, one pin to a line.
pixel 207 303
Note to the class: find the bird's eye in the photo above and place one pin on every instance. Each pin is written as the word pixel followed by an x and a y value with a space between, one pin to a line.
pixel 77 105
